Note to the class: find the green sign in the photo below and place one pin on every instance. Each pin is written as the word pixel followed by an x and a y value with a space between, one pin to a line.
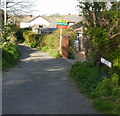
pixel 62 23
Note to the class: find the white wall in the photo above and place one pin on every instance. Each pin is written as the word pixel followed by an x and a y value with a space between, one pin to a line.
pixel 24 25
pixel 39 21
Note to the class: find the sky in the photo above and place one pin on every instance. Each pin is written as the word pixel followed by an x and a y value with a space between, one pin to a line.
pixel 48 7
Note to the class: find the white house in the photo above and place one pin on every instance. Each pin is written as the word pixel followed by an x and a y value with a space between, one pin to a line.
pixel 34 22
pixel 24 25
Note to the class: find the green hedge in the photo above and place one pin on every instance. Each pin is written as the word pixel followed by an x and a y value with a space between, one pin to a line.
pixel 10 55
pixel 50 41
pixel 32 39
pixel 105 91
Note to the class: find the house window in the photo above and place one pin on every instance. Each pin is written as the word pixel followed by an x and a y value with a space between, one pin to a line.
pixel 40 26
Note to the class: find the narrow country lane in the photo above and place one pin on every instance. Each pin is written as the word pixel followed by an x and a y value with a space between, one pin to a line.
pixel 40 85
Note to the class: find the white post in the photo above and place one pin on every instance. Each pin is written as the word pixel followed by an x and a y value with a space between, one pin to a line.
pixel 1 16
pixel 5 12
pixel 60 40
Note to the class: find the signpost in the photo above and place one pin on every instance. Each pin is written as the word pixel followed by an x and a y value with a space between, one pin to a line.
pixel 62 24
pixel 106 62
pixel 109 64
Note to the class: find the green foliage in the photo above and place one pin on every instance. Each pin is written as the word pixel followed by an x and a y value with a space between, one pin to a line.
pixel 10 55
pixel 85 75
pixel 50 43
pixel 103 105
pixel 45 49
pixel 32 39
pixel 104 92
pixel 19 35
pixel 53 41
pixel 70 54
pixel 8 33
pixel 52 52
pixel 55 53
pixel 98 34
pixel 102 28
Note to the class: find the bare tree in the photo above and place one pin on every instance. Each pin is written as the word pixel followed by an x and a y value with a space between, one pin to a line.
pixel 17 7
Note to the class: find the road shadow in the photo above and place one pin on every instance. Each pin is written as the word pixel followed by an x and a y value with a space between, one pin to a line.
pixel 41 86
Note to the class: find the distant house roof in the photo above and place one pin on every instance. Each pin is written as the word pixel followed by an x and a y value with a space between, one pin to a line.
pixel 38 17
pixel 52 22
pixel 72 18
pixel 29 18
pixel 77 25
pixel 26 19
pixel 69 18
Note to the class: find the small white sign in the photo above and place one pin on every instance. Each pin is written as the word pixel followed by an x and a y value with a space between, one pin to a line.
pixel 106 62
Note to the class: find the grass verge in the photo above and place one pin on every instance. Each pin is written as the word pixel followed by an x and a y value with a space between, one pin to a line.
pixel 53 52
pixel 105 91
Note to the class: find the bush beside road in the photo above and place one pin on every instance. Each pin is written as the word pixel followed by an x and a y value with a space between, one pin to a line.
pixel 104 91
pixel 10 55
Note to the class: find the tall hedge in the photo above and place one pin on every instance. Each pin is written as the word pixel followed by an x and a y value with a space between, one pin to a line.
pixel 49 42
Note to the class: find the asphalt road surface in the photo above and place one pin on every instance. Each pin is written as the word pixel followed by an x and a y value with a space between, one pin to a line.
pixel 40 85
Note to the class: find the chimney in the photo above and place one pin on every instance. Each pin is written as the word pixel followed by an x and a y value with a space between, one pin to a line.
pixel 30 16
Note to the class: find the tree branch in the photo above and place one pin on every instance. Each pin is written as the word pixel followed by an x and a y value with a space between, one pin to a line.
pixel 111 29
pixel 114 35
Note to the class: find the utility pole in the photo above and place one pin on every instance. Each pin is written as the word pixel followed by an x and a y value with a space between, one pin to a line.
pixel 0 23
pixel 5 12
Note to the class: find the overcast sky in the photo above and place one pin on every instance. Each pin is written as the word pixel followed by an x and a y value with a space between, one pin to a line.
pixel 49 7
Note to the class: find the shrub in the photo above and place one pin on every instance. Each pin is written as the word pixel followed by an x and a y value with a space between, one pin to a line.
pixel 19 35
pixel 86 75
pixel 55 53
pixel 32 39
pixel 106 89
pixel 10 55
pixel 52 52
pixel 45 49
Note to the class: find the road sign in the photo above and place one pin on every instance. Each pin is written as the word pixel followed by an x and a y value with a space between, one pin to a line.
pixel 62 26
pixel 106 62
pixel 62 23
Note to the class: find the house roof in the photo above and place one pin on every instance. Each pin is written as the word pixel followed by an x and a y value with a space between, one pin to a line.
pixel 52 20
pixel 69 18
pixel 72 18
pixel 77 25
pixel 26 19
pixel 37 17
pixel 30 18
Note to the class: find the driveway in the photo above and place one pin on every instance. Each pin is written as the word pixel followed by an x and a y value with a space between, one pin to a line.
pixel 40 85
